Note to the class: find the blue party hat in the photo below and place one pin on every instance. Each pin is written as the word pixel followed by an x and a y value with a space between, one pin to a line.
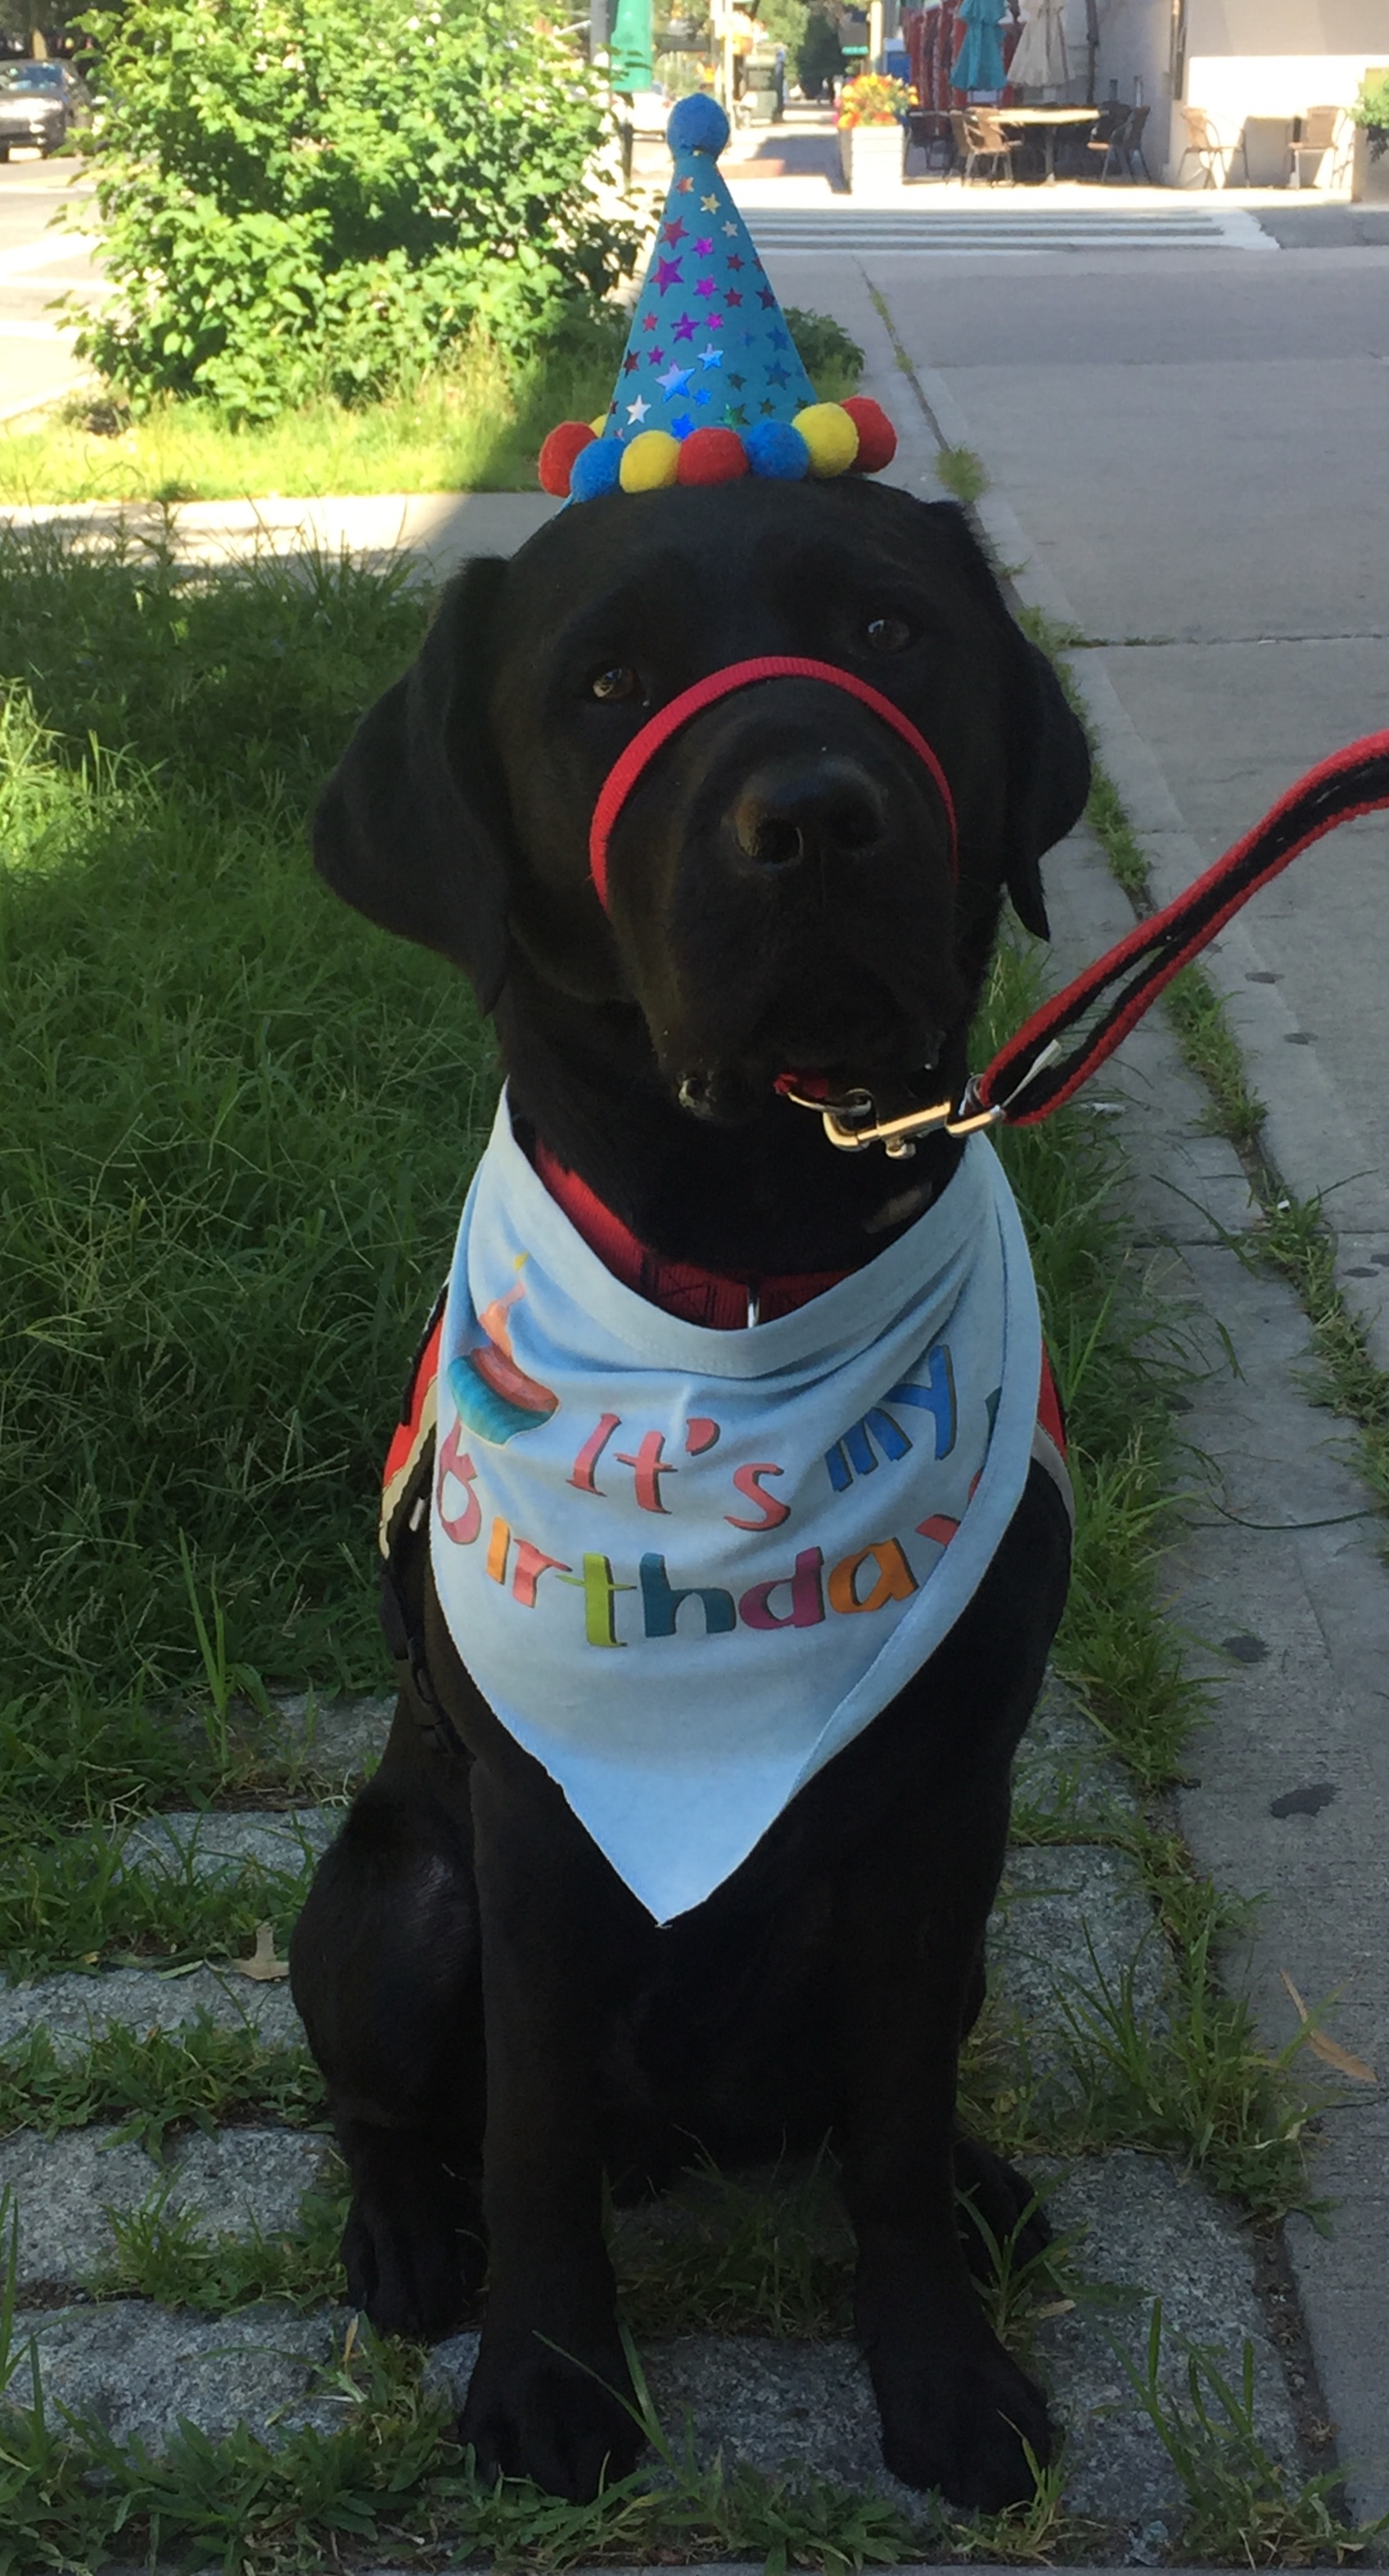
pixel 711 386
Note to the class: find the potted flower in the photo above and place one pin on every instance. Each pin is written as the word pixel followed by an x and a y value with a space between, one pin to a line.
pixel 1369 169
pixel 872 138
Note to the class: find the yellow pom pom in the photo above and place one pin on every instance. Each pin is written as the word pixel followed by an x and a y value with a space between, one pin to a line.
pixel 651 460
pixel 599 425
pixel 830 436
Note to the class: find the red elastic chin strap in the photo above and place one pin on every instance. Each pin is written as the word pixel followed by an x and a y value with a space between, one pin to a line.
pixel 625 771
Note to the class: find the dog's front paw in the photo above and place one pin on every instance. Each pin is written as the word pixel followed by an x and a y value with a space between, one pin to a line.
pixel 963 2421
pixel 413 2249
pixel 536 2412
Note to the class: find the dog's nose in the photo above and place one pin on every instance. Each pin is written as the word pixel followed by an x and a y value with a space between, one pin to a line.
pixel 807 809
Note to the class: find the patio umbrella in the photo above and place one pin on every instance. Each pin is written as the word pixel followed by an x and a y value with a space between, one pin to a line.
pixel 979 62
pixel 1040 61
pixel 631 46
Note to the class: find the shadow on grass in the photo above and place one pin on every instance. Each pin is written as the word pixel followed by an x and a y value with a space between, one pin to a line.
pixel 236 1125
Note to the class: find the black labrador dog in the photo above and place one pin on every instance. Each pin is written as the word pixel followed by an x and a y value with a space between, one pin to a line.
pixel 499 2021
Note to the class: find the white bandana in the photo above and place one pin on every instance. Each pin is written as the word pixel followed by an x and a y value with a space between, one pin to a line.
pixel 685 1567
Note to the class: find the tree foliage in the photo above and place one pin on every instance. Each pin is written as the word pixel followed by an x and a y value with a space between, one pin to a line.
pixel 300 196
pixel 819 56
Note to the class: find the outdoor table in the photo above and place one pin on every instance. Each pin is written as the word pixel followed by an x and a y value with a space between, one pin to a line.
pixel 1048 120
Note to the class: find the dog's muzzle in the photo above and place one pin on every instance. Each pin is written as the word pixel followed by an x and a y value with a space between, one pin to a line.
pixel 628 769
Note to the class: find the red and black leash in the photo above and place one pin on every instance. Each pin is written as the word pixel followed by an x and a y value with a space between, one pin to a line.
pixel 1038 1070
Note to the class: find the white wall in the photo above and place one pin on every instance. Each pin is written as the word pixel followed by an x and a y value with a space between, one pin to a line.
pixel 1136 46
pixel 1277 58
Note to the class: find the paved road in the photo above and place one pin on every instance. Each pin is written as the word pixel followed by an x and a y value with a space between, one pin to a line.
pixel 36 265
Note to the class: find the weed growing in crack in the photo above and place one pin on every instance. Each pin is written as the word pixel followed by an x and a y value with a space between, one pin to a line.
pixel 770 2256
pixel 964 474
pixel 1190 2078
pixel 1295 1238
pixel 161 2253
pixel 1243 2506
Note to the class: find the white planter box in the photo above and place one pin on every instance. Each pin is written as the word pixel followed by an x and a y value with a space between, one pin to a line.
pixel 871 157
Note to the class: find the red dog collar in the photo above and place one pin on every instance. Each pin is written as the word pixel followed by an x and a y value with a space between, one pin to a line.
pixel 628 768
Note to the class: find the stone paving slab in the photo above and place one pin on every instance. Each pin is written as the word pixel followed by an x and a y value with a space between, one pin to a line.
pixel 247 2182
pixel 338 1739
pixel 74 2010
pixel 57 2193
pixel 1074 1936
pixel 1065 1778
pixel 214 1845
pixel 1147 2230
pixel 139 2371
pixel 1142 2229
pixel 63 2189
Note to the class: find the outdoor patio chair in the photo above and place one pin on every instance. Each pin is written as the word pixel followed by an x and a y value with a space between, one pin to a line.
pixel 1133 142
pixel 985 140
pixel 1122 145
pixel 1317 137
pixel 1107 137
pixel 1204 146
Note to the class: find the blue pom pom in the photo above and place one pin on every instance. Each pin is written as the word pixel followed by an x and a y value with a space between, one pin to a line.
pixel 697 124
pixel 773 447
pixel 595 470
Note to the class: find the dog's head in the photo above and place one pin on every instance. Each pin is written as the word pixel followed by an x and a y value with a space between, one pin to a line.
pixel 782 892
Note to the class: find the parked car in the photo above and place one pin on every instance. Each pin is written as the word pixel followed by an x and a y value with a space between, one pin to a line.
pixel 40 103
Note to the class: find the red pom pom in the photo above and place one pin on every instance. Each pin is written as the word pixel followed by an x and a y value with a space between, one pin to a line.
pixel 712 456
pixel 558 454
pixel 877 439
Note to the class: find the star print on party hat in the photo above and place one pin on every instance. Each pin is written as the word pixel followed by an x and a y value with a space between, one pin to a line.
pixel 710 387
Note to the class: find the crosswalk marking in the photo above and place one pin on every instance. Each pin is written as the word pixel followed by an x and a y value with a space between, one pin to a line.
pixel 967 234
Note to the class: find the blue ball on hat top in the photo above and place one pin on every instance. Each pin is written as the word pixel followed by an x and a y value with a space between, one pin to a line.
pixel 697 124
pixel 774 448
pixel 595 470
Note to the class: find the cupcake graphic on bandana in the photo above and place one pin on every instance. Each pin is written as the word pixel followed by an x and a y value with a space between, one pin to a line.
pixel 494 1396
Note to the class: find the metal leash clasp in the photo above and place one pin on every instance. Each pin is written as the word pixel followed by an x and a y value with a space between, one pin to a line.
pixel 853 1124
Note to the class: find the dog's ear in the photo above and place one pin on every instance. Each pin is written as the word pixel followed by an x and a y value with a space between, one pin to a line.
pixel 411 828
pixel 1048 757
pixel 1048 780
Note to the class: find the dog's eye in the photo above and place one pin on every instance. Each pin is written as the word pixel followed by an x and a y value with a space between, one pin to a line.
pixel 620 682
pixel 887 634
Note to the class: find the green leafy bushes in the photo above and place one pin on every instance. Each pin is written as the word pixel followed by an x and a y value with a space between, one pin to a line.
pixel 308 197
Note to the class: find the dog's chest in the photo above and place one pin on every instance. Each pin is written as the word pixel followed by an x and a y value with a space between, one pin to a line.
pixel 685 1567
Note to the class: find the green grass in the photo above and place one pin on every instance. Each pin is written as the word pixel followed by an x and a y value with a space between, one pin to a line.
pixel 963 474
pixel 1119 1363
pixel 160 2253
pixel 161 2080
pixel 392 2480
pixel 65 1896
pixel 1296 1239
pixel 217 1254
pixel 477 428
pixel 1244 2507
